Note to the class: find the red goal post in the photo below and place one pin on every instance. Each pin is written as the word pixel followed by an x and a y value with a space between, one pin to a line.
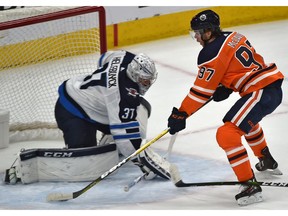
pixel 40 47
pixel 61 15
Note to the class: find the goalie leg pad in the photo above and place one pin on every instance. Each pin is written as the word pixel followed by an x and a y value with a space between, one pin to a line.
pixel 71 165
pixel 155 163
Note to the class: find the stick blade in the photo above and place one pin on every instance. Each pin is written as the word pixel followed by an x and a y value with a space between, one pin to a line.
pixel 175 175
pixel 276 171
pixel 59 197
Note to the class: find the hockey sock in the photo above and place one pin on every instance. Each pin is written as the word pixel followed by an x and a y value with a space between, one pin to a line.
pixel 256 140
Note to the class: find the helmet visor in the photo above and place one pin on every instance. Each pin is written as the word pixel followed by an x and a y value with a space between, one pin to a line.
pixel 196 33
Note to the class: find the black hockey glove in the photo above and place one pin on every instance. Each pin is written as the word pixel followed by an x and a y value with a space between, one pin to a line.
pixel 177 121
pixel 221 93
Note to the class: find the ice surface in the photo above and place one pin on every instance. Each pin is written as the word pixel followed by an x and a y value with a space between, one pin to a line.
pixel 195 151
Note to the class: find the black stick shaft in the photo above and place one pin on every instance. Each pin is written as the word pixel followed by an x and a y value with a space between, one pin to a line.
pixel 200 184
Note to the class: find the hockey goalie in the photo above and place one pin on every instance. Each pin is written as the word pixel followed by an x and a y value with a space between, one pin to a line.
pixel 109 101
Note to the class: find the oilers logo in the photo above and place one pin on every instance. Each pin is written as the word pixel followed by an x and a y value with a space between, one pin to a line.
pixel 203 17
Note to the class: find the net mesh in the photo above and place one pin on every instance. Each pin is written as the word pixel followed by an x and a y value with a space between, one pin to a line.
pixel 38 54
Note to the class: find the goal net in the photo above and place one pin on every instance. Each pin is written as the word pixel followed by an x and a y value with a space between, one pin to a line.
pixel 40 47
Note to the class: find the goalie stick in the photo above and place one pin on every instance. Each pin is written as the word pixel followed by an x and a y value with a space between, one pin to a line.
pixel 178 182
pixel 69 196
pixel 141 177
pixel 134 182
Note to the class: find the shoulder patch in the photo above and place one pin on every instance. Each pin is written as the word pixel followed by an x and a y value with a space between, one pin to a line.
pixel 132 92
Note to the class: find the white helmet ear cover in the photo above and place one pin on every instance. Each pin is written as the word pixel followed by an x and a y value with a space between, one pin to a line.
pixel 142 68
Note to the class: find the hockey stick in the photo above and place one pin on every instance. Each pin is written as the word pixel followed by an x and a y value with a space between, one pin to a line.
pixel 275 184
pixel 141 177
pixel 178 182
pixel 134 182
pixel 171 143
pixel 69 196
pixel 170 147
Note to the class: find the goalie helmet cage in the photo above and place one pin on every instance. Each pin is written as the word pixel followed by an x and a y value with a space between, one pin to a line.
pixel 40 47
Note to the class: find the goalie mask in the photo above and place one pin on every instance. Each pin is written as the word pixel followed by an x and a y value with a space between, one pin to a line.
pixel 142 70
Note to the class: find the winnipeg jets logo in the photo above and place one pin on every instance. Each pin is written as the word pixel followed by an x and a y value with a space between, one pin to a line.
pixel 132 92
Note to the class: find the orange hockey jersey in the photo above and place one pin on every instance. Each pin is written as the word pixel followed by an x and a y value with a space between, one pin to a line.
pixel 232 61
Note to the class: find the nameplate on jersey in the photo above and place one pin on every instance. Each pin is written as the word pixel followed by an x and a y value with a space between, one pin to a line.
pixel 113 71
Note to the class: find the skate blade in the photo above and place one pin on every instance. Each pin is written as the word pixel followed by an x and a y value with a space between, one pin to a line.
pixel 255 198
pixel 273 172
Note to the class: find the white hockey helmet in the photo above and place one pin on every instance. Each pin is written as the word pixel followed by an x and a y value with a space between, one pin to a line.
pixel 142 70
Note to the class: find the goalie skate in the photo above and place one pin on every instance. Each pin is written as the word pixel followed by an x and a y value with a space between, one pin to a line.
pixel 10 176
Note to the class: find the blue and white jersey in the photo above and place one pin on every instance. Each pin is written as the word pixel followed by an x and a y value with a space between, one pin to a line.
pixel 107 96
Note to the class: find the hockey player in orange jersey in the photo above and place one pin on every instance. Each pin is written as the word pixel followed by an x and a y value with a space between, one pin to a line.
pixel 229 63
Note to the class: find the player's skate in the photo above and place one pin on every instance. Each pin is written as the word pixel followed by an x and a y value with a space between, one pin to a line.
pixel 268 163
pixel 250 192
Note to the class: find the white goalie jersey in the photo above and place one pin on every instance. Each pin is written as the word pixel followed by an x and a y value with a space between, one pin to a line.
pixel 107 97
